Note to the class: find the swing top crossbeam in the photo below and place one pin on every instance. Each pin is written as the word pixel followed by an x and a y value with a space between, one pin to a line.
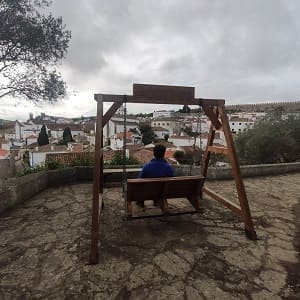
pixel 160 94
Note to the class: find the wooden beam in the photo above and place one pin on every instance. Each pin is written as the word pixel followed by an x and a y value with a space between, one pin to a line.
pixel 213 116
pixel 110 112
pixel 236 172
pixel 217 149
pixel 147 100
pixel 210 140
pixel 94 251
pixel 232 206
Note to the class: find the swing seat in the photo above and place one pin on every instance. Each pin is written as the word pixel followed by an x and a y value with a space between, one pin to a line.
pixel 161 189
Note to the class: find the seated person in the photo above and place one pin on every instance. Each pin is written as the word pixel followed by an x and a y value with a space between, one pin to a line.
pixel 157 167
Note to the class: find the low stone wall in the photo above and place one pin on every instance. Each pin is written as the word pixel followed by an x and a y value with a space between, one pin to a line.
pixel 18 190
pixel 7 167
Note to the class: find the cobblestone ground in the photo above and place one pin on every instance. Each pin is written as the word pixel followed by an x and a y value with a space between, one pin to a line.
pixel 44 248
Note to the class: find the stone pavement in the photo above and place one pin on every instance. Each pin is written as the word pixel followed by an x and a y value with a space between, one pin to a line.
pixel 44 248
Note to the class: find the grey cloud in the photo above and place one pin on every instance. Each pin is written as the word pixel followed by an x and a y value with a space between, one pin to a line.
pixel 239 50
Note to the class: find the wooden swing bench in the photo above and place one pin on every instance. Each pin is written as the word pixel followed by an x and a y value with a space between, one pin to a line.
pixel 161 189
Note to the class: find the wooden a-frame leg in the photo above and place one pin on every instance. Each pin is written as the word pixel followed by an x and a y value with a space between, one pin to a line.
pixel 97 190
pixel 210 140
pixel 246 215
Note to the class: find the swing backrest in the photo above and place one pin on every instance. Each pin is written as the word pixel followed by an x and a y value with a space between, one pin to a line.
pixel 142 189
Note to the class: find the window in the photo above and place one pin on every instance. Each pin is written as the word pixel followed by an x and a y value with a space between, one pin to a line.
pixel 154 124
pixel 240 123
pixel 158 124
pixel 240 129
pixel 163 124
pixel 232 129
pixel 232 123
pixel 168 124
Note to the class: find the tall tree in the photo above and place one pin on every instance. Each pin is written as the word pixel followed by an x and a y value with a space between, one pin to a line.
pixel 31 45
pixel 43 138
pixel 67 136
pixel 147 133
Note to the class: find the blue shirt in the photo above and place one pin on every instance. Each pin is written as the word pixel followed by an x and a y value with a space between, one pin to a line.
pixel 156 168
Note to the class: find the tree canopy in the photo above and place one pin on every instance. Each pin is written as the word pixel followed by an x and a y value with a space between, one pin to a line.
pixel 67 136
pixel 270 141
pixel 31 45
pixel 147 133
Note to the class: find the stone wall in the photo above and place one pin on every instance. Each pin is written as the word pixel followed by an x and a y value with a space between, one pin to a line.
pixel 7 167
pixel 17 190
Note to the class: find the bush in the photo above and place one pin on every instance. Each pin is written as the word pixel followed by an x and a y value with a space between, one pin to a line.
pixel 82 161
pixel 183 158
pixel 270 141
pixel 118 160
pixel 53 165
pixel 29 170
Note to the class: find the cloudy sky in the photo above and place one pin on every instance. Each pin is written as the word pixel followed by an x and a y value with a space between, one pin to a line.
pixel 240 51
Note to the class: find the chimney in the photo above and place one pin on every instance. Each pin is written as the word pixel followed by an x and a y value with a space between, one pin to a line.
pixel 52 147
pixel 36 148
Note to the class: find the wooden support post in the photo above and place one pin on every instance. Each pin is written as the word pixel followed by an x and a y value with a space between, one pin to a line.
pixel 210 140
pixel 94 251
pixel 246 215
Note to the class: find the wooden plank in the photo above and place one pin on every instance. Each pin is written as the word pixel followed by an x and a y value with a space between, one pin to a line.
pixel 166 179
pixel 232 206
pixel 164 92
pixel 218 149
pixel 170 214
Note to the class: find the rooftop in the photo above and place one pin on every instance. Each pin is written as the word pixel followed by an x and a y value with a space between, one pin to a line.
pixel 44 247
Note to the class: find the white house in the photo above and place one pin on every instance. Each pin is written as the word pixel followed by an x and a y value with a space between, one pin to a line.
pixel 117 140
pixel 116 125
pixel 23 130
pixel 240 124
pixel 181 140
pixel 56 130
pixel 37 156
pixel 163 113
pixel 171 124
pixel 9 136
pixel 160 132
pixel 31 139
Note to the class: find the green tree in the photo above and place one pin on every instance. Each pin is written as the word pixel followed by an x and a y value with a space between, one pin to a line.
pixel 147 133
pixel 43 138
pixel 31 45
pixel 270 141
pixel 67 136
pixel 183 157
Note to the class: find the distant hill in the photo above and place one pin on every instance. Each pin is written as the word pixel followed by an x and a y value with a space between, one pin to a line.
pixel 264 107
pixel 6 124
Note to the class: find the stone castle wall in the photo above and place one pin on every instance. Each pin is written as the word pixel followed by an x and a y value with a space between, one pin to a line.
pixel 265 107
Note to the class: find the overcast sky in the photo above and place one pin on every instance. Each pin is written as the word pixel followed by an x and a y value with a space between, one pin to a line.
pixel 240 51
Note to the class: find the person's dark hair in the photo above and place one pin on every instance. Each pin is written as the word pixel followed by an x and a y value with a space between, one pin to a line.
pixel 159 151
